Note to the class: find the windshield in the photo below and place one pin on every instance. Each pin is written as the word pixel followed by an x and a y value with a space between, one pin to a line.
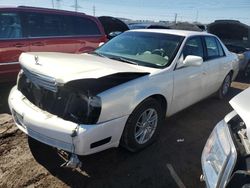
pixel 142 48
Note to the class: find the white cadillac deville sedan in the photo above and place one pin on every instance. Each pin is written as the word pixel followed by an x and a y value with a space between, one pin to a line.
pixel 120 93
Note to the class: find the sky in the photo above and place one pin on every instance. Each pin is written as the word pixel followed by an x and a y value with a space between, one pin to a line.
pixel 204 11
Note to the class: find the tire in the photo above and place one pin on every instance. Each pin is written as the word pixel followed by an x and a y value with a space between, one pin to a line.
pixel 225 87
pixel 136 126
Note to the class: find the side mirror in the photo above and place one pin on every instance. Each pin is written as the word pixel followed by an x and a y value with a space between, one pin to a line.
pixel 192 60
pixel 113 34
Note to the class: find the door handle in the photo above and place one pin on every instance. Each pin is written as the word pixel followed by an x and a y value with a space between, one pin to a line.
pixel 83 43
pixel 37 44
pixel 204 73
pixel 19 45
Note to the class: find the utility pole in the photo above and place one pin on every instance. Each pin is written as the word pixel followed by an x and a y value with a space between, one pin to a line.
pixel 197 16
pixel 76 5
pixel 58 4
pixel 94 10
pixel 53 5
pixel 175 18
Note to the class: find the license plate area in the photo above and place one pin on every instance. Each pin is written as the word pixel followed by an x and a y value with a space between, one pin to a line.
pixel 18 119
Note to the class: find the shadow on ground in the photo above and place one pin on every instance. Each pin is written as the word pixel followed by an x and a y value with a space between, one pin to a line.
pixel 120 168
pixel 4 93
pixel 243 79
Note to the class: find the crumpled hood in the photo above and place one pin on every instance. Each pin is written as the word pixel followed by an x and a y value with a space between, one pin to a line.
pixel 241 104
pixel 66 67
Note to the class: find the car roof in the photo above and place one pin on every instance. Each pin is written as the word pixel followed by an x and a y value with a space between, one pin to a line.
pixel 42 9
pixel 184 33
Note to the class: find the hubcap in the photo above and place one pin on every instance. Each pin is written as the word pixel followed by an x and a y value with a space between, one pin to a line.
pixel 226 85
pixel 145 126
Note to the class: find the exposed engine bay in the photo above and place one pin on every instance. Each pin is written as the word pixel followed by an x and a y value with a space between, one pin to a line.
pixel 75 101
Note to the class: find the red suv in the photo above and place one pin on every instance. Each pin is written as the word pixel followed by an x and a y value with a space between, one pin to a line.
pixel 24 29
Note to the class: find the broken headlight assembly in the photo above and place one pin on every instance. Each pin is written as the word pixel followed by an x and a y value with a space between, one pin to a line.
pixel 218 157
pixel 82 108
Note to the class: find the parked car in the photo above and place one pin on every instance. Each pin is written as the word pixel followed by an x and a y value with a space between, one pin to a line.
pixel 112 26
pixel 244 57
pixel 186 26
pixel 25 29
pixel 147 26
pixel 226 155
pixel 120 93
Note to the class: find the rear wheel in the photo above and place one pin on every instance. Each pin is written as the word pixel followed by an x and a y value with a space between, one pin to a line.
pixel 142 127
pixel 225 87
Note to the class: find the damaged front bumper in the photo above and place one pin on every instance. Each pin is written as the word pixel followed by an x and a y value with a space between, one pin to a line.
pixel 66 135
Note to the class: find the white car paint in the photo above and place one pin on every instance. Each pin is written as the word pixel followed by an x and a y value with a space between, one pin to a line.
pixel 66 67
pixel 241 104
pixel 181 87
pixel 241 107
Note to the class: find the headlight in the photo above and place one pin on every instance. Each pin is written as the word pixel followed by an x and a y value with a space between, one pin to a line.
pixel 218 157
pixel 84 109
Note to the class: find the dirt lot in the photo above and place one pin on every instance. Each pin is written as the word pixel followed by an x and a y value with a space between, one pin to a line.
pixel 25 164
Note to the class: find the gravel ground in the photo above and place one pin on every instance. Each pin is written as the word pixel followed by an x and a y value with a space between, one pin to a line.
pixel 25 163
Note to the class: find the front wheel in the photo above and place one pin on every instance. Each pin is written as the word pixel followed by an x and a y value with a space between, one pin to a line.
pixel 142 127
pixel 225 87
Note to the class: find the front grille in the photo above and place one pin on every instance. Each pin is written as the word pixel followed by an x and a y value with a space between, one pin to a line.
pixel 46 82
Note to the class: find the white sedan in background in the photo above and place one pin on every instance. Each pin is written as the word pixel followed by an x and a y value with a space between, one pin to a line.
pixel 120 93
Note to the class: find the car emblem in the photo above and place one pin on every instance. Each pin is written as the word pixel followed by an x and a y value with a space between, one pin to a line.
pixel 36 60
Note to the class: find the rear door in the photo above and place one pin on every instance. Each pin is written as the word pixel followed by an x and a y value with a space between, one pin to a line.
pixel 12 44
pixel 215 60
pixel 47 33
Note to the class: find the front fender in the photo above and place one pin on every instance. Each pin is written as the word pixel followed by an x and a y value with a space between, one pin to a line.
pixel 141 96
pixel 123 99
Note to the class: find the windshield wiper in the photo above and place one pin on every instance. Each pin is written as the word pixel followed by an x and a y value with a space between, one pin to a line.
pixel 98 54
pixel 124 60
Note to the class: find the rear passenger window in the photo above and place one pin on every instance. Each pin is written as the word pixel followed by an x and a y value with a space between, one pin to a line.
pixel 10 26
pixel 212 48
pixel 221 51
pixel 43 25
pixel 84 26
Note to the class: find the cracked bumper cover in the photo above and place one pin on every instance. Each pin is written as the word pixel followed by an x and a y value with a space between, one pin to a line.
pixel 56 132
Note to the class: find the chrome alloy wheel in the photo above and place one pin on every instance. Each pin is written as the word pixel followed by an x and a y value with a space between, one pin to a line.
pixel 226 85
pixel 146 125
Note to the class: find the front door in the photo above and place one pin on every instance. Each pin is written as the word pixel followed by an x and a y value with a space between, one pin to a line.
pixel 188 80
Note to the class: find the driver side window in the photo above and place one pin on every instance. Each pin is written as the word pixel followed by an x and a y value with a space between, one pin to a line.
pixel 193 46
